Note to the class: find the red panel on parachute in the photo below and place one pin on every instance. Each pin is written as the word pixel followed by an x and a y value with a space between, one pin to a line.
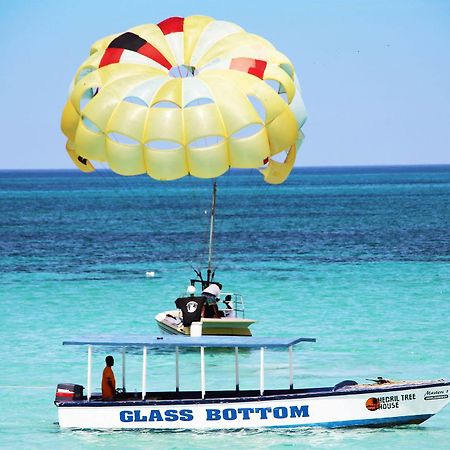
pixel 171 25
pixel 254 67
pixel 111 56
pixel 153 53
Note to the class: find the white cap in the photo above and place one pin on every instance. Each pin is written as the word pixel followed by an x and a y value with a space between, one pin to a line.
pixel 212 289
pixel 191 289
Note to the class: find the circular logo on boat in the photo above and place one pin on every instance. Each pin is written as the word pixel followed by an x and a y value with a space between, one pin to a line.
pixel 191 306
pixel 372 404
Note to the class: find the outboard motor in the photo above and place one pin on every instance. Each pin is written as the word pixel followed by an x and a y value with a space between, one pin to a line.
pixel 67 392
pixel 191 307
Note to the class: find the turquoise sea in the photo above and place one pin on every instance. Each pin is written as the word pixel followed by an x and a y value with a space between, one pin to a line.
pixel 356 257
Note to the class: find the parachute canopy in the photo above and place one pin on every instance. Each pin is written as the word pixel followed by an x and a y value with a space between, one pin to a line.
pixel 186 96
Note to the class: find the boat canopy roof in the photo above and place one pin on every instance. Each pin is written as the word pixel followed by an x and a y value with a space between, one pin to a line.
pixel 192 342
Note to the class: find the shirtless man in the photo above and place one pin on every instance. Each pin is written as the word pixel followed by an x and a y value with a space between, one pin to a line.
pixel 108 380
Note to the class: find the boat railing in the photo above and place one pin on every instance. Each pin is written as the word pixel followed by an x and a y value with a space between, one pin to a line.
pixel 237 309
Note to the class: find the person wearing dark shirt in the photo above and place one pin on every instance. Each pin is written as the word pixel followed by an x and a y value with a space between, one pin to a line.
pixel 211 294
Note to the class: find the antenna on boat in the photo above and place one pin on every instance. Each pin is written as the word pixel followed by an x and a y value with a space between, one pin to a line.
pixel 210 272
pixel 197 272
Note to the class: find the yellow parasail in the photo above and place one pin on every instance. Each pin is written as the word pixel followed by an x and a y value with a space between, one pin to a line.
pixel 188 96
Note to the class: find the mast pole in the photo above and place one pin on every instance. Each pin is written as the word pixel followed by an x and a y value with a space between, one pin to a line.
pixel 211 230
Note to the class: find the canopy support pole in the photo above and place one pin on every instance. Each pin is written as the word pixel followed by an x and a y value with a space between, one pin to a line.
pixel 144 372
pixel 261 372
pixel 236 366
pixel 291 370
pixel 89 373
pixel 202 370
pixel 123 370
pixel 177 369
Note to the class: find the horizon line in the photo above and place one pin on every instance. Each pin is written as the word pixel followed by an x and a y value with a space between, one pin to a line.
pixel 345 166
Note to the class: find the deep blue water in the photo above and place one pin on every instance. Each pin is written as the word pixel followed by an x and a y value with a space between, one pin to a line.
pixel 357 257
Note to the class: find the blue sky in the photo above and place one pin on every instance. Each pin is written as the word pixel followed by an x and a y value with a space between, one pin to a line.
pixel 375 74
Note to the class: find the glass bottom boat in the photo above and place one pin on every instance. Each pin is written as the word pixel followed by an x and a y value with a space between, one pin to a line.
pixel 347 404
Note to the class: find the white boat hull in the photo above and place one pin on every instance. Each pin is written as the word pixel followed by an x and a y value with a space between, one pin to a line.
pixel 170 322
pixel 360 405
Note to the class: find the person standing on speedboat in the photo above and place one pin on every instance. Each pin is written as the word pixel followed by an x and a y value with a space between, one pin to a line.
pixel 108 380
pixel 211 294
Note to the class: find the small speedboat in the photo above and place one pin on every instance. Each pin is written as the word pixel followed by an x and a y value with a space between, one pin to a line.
pixel 382 403
pixel 227 318
pixel 194 315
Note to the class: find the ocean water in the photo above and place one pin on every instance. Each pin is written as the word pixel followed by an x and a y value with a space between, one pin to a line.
pixel 356 257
